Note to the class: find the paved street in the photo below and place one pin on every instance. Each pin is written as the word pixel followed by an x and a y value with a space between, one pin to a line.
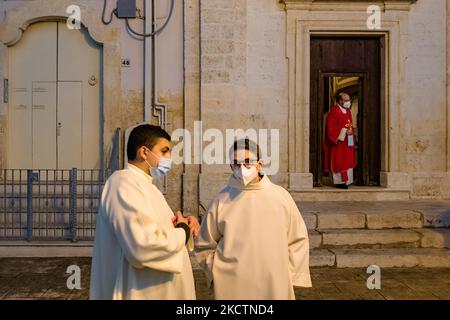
pixel 45 278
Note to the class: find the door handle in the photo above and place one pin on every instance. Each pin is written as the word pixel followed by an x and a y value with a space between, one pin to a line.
pixel 58 129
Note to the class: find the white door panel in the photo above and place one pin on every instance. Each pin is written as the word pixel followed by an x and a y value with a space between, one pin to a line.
pixel 78 55
pixel 50 72
pixel 70 115
pixel 79 60
pixel 31 59
pixel 20 144
pixel 44 125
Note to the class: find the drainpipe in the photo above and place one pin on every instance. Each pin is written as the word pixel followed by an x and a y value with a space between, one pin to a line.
pixel 200 52
pixel 184 102
pixel 145 62
pixel 158 110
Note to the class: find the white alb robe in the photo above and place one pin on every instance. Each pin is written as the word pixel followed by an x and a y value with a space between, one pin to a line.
pixel 253 243
pixel 337 178
pixel 138 254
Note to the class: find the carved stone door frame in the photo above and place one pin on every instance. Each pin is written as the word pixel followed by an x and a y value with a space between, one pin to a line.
pixel 306 18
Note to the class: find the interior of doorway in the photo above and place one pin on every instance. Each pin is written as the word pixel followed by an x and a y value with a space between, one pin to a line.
pixel 343 57
pixel 353 86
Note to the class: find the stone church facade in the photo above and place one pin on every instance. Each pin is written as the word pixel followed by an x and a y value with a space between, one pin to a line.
pixel 248 64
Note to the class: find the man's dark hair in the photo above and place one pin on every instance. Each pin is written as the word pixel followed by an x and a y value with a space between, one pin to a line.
pixel 339 96
pixel 144 135
pixel 246 144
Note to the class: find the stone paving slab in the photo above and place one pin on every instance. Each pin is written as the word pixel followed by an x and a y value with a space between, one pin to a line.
pixel 45 278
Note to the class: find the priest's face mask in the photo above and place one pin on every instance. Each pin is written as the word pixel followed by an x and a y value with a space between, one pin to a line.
pixel 159 158
pixel 346 101
pixel 246 166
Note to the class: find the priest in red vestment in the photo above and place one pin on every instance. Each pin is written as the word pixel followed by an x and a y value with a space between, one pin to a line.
pixel 339 145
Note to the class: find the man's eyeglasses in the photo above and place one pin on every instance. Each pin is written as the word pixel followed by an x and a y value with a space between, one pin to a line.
pixel 247 163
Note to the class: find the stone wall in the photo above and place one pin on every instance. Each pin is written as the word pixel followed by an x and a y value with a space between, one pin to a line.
pixel 425 116
pixel 232 69
pixel 243 76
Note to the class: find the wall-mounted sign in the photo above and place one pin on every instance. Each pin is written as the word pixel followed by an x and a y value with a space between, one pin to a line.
pixel 126 63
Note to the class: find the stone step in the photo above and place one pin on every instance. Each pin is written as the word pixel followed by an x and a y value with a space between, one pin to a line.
pixel 395 238
pixel 354 193
pixel 434 238
pixel 393 258
pixel 375 214
pixel 384 258
pixel 370 238
pixel 387 219
pixel 341 220
pixel 315 239
pixel 310 220
pixel 340 258
pixel 322 258
pixel 393 218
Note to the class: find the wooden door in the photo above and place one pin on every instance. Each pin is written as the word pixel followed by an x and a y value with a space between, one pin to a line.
pixel 355 57
pixel 55 114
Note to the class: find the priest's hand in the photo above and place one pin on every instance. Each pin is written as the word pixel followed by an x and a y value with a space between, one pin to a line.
pixel 191 221
pixel 194 225
pixel 179 218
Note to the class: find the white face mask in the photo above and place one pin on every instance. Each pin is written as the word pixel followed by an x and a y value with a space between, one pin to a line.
pixel 246 175
pixel 347 105
pixel 164 165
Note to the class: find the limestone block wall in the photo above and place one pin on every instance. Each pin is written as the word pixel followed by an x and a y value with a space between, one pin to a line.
pixel 225 63
pixel 243 77
pixel 424 119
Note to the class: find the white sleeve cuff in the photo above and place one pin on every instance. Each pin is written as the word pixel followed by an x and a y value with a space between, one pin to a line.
pixel 342 134
pixel 302 280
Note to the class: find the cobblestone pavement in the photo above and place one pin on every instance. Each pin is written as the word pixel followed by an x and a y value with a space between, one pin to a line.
pixel 45 278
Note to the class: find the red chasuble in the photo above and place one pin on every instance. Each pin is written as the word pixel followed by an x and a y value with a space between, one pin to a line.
pixel 338 155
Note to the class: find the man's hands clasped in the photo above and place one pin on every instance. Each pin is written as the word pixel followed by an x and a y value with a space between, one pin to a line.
pixel 191 221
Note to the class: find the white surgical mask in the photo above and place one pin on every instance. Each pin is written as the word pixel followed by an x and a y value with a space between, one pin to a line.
pixel 164 166
pixel 246 175
pixel 347 105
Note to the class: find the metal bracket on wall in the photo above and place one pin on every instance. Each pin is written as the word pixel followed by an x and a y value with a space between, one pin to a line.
pixel 5 90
